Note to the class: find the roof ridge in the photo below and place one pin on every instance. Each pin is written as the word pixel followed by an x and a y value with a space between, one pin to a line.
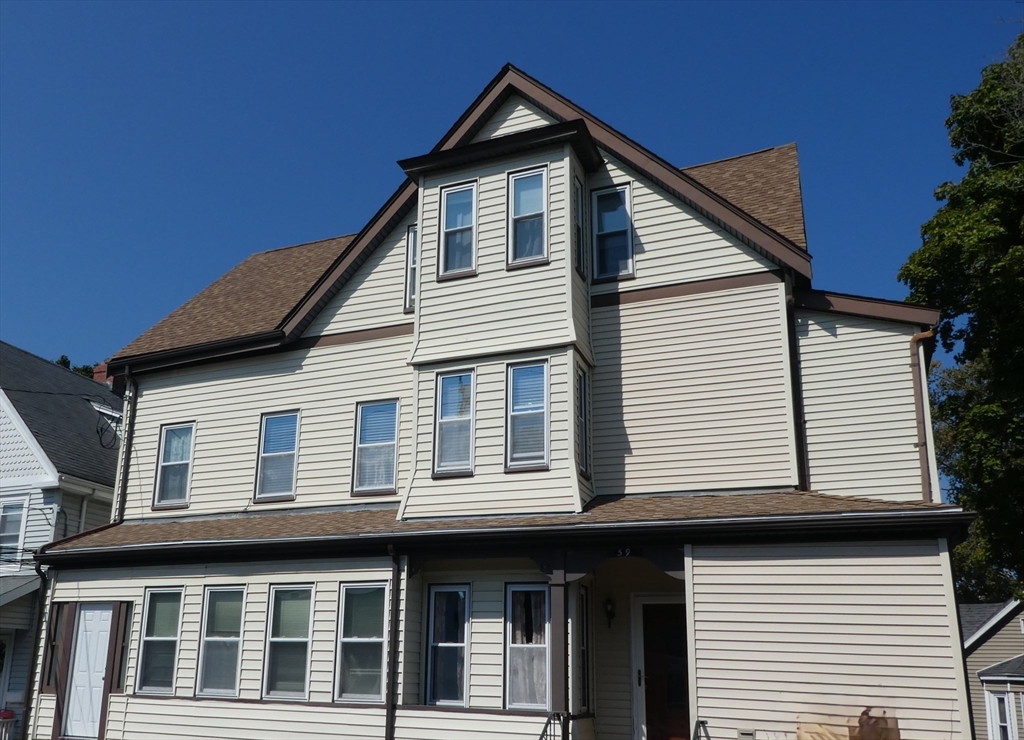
pixel 304 244
pixel 737 156
pixel 52 362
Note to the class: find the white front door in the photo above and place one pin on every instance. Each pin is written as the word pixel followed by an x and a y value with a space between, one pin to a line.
pixel 88 666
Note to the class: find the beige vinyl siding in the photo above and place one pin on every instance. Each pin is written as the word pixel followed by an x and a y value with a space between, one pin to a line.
pixel 798 633
pixel 375 295
pixel 858 391
pixel 429 723
pixel 513 116
pixel 226 401
pixel 579 285
pixel 693 393
pixel 411 637
pixel 1005 643
pixel 97 513
pixel 672 243
pixel 497 310
pixel 490 490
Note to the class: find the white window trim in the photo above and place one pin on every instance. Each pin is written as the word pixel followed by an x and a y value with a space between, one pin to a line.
pixel 509 413
pixel 628 190
pixel 19 550
pixel 384 641
pixel 468 469
pixel 579 247
pixel 509 590
pixel 139 689
pixel 992 712
pixel 157 503
pixel 292 696
pixel 442 231
pixel 355 455
pixel 412 262
pixel 433 589
pixel 295 462
pixel 581 415
pixel 510 224
pixel 203 639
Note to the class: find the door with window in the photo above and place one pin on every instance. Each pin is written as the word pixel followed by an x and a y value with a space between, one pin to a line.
pixel 660 685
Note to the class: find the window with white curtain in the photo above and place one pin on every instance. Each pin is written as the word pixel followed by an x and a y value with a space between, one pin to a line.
pixel 453 437
pixel 458 224
pixel 12 527
pixel 160 622
pixel 613 234
pixel 448 633
pixel 287 659
pixel 527 429
pixel 411 255
pixel 361 642
pixel 278 444
pixel 174 463
pixel 220 648
pixel 526 647
pixel 376 446
pixel 528 198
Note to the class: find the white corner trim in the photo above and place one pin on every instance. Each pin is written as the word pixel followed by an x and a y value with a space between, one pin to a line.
pixel 52 479
pixel 990 623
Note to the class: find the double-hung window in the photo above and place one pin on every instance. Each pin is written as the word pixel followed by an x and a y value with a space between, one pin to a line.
pixel 1002 720
pixel 582 420
pixel 160 622
pixel 448 632
pixel 278 443
pixel 613 233
pixel 220 650
pixel 288 642
pixel 458 229
pixel 411 248
pixel 578 244
pixel 12 528
pixel 453 438
pixel 361 645
pixel 527 227
pixel 526 647
pixel 175 464
pixel 376 443
pixel 527 429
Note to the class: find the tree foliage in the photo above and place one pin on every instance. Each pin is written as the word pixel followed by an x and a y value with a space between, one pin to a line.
pixel 85 370
pixel 971 266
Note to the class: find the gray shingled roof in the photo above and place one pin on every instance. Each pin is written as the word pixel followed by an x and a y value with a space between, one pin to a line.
pixel 1013 668
pixel 973 616
pixel 55 405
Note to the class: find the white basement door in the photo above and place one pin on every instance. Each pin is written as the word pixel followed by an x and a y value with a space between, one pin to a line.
pixel 89 663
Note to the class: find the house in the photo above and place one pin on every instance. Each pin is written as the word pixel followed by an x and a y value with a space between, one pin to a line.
pixel 58 453
pixel 994 653
pixel 562 443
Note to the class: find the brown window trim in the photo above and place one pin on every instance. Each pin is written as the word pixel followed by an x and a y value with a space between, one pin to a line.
pixel 451 474
pixel 523 264
pixel 528 468
pixel 155 504
pixel 355 448
pixel 273 499
pixel 445 277
pixel 168 507
pixel 626 276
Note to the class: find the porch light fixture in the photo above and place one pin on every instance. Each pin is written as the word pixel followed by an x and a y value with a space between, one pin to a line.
pixel 609 610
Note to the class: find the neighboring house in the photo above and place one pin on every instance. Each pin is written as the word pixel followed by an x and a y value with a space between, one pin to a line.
pixel 994 652
pixel 58 455
pixel 562 440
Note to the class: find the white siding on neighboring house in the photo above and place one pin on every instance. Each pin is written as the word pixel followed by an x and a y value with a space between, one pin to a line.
pixel 514 115
pixel 375 295
pixel 497 310
pixel 490 490
pixel 693 393
pixel 671 242
pixel 97 513
pixel 815 633
pixel 226 401
pixel 21 462
pixel 858 392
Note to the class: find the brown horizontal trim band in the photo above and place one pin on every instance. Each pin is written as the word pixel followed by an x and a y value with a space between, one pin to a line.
pixel 179 355
pixel 875 308
pixel 604 300
pixel 351 337
pixel 269 700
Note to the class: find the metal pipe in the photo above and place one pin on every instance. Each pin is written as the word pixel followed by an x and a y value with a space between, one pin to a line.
pixel 132 387
pixel 37 656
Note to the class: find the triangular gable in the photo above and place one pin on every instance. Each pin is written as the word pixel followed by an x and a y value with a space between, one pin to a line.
pixel 514 116
pixel 24 463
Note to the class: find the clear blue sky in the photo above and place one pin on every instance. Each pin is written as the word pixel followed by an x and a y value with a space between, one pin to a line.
pixel 146 148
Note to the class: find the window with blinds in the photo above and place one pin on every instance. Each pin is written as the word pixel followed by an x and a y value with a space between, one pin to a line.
pixel 453 437
pixel 527 428
pixel 376 447
pixel 219 649
pixel 161 621
pixel 287 662
pixel 361 642
pixel 278 446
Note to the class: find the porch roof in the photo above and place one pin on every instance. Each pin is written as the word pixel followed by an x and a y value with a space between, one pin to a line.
pixel 377 526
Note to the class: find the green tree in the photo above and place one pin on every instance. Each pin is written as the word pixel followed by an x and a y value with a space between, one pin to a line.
pixel 85 370
pixel 971 266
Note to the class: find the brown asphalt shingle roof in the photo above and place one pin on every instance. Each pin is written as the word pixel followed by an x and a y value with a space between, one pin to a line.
pixel 765 184
pixel 352 523
pixel 252 298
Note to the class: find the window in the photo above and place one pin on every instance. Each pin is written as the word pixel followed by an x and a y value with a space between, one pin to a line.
pixel 376 435
pixel 526 226
pixel 578 243
pixel 160 640
pixel 1002 720
pixel 446 661
pixel 361 645
pixel 458 221
pixel 12 526
pixel 582 420
pixel 454 434
pixel 613 237
pixel 584 638
pixel 288 642
pixel 527 431
pixel 278 437
pixel 526 643
pixel 411 248
pixel 175 463
pixel 220 651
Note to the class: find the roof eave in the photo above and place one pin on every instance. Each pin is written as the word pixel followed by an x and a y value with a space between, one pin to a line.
pixel 875 308
pixel 164 359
